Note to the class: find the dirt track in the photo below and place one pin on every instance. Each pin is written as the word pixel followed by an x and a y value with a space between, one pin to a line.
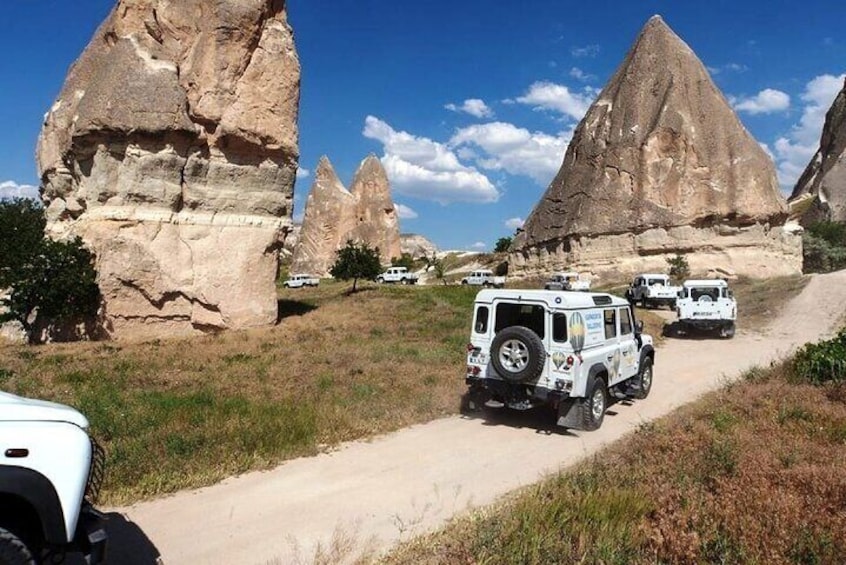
pixel 411 481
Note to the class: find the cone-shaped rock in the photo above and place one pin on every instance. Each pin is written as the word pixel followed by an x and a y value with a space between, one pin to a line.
pixel 376 218
pixel 660 165
pixel 171 151
pixel 821 190
pixel 329 219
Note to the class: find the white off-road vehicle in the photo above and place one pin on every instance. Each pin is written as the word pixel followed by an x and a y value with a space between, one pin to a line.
pixel 567 281
pixel 653 290
pixel 570 350
pixel 397 275
pixel 707 305
pixel 483 277
pixel 301 280
pixel 50 475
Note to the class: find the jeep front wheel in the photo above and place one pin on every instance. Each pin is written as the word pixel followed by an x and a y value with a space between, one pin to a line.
pixel 13 551
pixel 517 354
pixel 594 405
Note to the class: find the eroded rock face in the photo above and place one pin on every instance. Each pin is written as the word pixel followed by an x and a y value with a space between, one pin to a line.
pixel 334 215
pixel 821 190
pixel 417 246
pixel 659 165
pixel 172 151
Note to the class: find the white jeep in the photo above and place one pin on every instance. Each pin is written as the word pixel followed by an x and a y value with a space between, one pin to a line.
pixel 570 350
pixel 653 290
pixel 50 475
pixel 567 281
pixel 301 280
pixel 707 305
pixel 397 275
pixel 483 277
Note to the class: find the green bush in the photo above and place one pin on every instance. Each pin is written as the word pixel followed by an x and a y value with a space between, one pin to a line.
pixel 822 362
pixel 503 244
pixel 821 251
pixel 679 267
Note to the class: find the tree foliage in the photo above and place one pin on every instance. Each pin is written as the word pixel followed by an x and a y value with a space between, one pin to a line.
pixel 824 247
pixel 22 226
pixel 502 245
pixel 405 260
pixel 356 261
pixel 679 267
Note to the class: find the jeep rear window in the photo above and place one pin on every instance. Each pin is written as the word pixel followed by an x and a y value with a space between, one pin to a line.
pixel 480 326
pixel 527 315
pixel 559 327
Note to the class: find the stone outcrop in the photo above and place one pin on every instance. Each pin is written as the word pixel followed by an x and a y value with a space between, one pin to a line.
pixel 417 246
pixel 660 165
pixel 820 193
pixel 172 151
pixel 334 215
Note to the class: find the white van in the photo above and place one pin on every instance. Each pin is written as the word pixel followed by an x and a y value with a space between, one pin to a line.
pixel 570 350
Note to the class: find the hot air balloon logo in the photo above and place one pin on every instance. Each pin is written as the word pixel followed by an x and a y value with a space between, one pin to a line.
pixel 577 331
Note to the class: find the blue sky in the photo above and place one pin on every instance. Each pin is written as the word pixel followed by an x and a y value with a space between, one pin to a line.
pixel 469 103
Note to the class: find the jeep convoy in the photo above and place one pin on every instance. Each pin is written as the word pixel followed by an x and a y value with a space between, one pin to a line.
pixel 569 350
pixel 567 281
pixel 50 475
pixel 707 305
pixel 483 277
pixel 399 275
pixel 652 290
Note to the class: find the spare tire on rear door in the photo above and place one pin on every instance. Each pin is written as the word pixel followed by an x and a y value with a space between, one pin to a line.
pixel 517 354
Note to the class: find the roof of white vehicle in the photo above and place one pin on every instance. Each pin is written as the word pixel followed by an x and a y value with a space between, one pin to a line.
pixel 552 298
pixel 706 282
pixel 654 276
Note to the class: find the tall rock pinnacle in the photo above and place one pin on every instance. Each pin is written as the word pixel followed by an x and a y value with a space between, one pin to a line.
pixel 823 184
pixel 172 151
pixel 376 218
pixel 659 165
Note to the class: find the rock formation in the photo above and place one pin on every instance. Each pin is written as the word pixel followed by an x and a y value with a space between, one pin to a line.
pixel 417 246
pixel 820 193
pixel 172 151
pixel 660 165
pixel 333 215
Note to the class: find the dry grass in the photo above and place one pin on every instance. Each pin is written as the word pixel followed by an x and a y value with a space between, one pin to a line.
pixel 759 301
pixel 751 474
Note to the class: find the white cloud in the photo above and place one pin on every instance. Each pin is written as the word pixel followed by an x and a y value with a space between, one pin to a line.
pixel 794 150
pixel 11 189
pixel 303 173
pixel 514 223
pixel 579 74
pixel 768 101
pixel 472 106
pixel 730 67
pixel 586 51
pixel 558 98
pixel 478 245
pixel 404 212
pixel 517 151
pixel 426 169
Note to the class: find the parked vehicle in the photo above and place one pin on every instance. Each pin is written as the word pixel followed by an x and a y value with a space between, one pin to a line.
pixel 483 277
pixel 570 350
pixel 707 305
pixel 567 281
pixel 653 290
pixel 50 475
pixel 399 275
pixel 301 280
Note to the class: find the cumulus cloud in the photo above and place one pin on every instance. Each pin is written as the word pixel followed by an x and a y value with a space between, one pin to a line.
pixel 768 101
pixel 586 51
pixel 425 169
pixel 505 147
pixel 544 95
pixel 514 223
pixel 472 106
pixel 479 245
pixel 303 173
pixel 11 189
pixel 794 150
pixel 404 212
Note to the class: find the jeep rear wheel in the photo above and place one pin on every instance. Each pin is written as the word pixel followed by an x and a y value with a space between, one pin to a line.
pixel 643 380
pixel 517 354
pixel 13 551
pixel 594 405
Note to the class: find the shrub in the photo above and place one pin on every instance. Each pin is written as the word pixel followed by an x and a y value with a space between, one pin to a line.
pixel 406 260
pixel 823 362
pixel 502 245
pixel 356 261
pixel 821 253
pixel 679 267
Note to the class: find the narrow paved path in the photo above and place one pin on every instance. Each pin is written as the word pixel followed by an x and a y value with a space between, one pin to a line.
pixel 379 492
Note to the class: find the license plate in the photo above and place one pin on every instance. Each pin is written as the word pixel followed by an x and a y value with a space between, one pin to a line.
pixel 477 360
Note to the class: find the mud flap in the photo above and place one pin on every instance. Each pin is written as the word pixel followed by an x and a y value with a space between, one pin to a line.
pixel 570 413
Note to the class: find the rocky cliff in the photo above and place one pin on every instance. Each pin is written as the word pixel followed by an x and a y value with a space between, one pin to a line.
pixel 660 165
pixel 417 246
pixel 172 151
pixel 820 193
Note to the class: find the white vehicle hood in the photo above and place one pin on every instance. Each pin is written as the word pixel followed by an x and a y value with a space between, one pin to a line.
pixel 18 409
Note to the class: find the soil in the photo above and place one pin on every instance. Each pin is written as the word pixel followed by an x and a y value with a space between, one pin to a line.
pixel 367 496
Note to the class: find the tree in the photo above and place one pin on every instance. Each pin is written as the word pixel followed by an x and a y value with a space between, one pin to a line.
pixel 48 281
pixel 406 260
pixel 356 261
pixel 679 268
pixel 502 245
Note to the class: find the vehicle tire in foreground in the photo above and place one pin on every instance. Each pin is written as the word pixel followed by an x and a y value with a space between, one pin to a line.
pixel 13 551
pixel 594 404
pixel 517 354
pixel 643 380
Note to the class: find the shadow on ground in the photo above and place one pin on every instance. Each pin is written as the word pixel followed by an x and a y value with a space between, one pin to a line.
pixel 128 544
pixel 289 308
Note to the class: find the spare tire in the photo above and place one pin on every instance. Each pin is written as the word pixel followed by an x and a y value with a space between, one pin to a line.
pixel 517 354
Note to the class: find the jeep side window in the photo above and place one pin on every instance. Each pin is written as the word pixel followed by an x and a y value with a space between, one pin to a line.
pixel 610 323
pixel 625 321
pixel 526 315
pixel 559 327
pixel 481 324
